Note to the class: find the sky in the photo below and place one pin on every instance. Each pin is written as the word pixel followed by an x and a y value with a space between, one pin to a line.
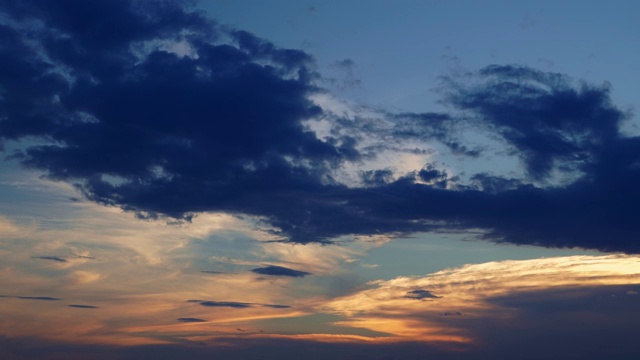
pixel 346 180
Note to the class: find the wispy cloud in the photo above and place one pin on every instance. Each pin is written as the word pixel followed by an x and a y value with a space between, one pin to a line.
pixel 52 258
pixel 273 270
pixel 79 306
pixel 276 306
pixel 191 320
pixel 231 304
pixel 489 294
pixel 43 298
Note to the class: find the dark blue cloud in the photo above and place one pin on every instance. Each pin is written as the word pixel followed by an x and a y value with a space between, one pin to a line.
pixel 377 177
pixel 276 306
pixel 42 298
pixel 52 258
pixel 214 131
pixel 431 126
pixel 235 304
pixel 551 122
pixel 451 313
pixel 218 127
pixel 432 175
pixel 231 304
pixel 273 270
pixel 84 257
pixel 421 294
pixel 83 306
pixel 190 320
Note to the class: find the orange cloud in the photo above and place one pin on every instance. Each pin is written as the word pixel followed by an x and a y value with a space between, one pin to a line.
pixel 447 306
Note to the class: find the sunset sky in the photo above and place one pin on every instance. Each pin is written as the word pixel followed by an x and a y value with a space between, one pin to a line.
pixel 319 179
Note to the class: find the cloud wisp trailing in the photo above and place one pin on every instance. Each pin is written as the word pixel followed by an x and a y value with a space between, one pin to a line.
pixel 51 258
pixel 229 304
pixel 191 320
pixel 273 270
pixel 152 107
pixel 80 306
pixel 42 298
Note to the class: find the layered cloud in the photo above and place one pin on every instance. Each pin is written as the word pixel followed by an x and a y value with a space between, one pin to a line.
pixel 489 310
pixel 131 282
pixel 479 304
pixel 152 107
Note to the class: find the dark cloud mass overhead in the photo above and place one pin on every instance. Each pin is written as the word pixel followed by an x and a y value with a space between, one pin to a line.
pixel 152 107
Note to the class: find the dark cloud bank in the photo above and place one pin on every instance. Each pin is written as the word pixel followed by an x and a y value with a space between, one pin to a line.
pixel 587 347
pixel 97 98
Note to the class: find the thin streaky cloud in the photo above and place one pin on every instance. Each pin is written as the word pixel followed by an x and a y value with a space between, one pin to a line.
pixel 51 258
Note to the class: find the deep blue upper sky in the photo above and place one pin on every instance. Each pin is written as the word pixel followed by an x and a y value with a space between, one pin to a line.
pixel 400 48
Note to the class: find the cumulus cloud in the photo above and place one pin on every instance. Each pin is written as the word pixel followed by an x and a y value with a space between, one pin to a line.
pixel 551 122
pixel 154 108
pixel 245 101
